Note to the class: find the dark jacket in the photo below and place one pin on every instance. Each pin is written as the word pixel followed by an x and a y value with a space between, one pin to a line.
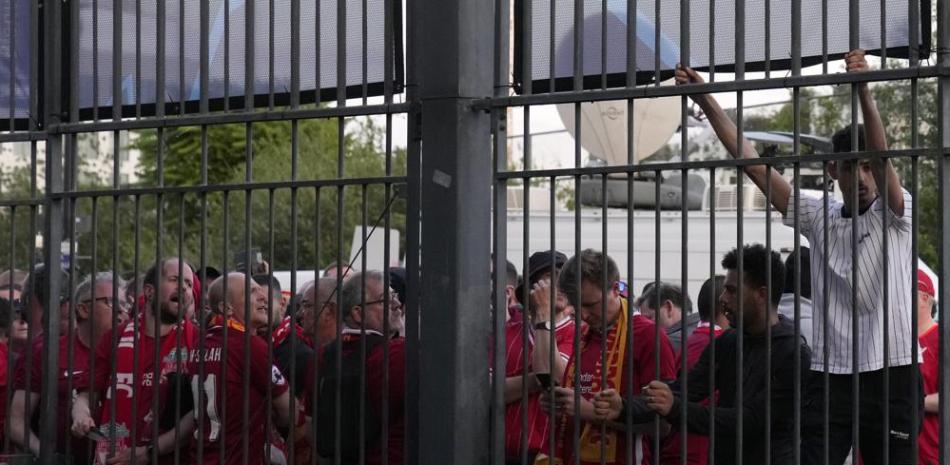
pixel 675 332
pixel 754 397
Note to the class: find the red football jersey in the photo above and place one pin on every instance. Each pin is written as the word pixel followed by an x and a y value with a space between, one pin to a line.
pixel 223 390
pixel 132 389
pixel 538 422
pixel 643 363
pixel 928 440
pixel 64 392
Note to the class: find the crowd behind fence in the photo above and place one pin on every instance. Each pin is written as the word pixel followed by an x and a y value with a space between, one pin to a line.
pixel 131 331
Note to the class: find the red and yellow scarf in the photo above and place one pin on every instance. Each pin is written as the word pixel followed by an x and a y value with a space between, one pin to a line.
pixel 591 439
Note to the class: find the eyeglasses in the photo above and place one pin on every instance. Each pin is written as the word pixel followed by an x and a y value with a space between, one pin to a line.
pixel 391 298
pixel 122 305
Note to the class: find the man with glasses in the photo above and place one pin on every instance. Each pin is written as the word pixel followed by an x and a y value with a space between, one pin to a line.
pixel 364 300
pixel 317 311
pixel 95 313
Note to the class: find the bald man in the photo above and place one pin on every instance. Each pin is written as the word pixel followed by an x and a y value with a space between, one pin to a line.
pixel 221 378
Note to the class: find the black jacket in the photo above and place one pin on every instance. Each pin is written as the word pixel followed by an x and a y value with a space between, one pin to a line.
pixel 754 397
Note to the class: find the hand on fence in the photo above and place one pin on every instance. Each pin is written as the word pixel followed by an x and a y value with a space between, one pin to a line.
pixel 82 424
pixel 686 75
pixel 855 61
pixel 607 405
pixel 659 397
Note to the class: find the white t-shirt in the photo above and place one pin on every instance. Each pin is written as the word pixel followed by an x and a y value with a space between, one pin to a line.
pixel 870 284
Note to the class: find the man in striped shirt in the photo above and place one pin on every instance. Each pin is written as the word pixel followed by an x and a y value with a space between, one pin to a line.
pixel 859 274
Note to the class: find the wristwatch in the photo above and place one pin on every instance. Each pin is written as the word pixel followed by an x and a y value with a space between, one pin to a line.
pixel 543 326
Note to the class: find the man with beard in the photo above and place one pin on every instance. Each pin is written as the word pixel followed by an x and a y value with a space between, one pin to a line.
pixel 221 377
pixel 364 299
pixel 758 313
pixel 95 309
pixel 125 414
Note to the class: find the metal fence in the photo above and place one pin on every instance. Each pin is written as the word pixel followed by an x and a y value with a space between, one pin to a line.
pixel 290 172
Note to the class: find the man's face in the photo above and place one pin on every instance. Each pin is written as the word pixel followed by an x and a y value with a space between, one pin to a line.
pixel 373 309
pixel 256 308
pixel 668 316
pixel 864 182
pixel 175 299
pixel 98 309
pixel 751 301
pixel 592 303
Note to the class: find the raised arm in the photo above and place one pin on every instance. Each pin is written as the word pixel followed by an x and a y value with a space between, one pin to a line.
pixel 728 134
pixel 875 136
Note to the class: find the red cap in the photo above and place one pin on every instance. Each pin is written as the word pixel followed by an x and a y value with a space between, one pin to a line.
pixel 925 284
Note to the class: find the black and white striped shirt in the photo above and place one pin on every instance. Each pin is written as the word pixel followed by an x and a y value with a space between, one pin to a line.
pixel 870 284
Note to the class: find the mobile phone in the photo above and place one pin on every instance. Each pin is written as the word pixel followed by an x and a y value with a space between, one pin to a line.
pixel 95 435
pixel 545 380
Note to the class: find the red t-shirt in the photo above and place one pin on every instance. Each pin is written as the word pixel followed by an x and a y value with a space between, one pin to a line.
pixel 224 390
pixel 928 441
pixel 78 448
pixel 374 388
pixel 538 421
pixel 697 445
pixel 141 394
pixel 643 362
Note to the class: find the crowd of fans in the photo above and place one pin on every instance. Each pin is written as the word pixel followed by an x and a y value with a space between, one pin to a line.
pixel 189 366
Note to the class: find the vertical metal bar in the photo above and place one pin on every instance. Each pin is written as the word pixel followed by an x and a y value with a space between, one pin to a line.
pixel 271 29
pixel 526 296
pixel 138 315
pixel 603 44
pixel 552 418
pixel 943 58
pixel 227 63
pixel 181 59
pixel 499 227
pixel 314 430
pixel 657 250
pixel 248 199
pixel 363 352
pixel 12 68
pixel 825 288
pixel 176 454
pixel 657 36
pixel 225 273
pixel 767 440
pixel 711 393
pixel 913 48
pixel 271 347
pixel 631 160
pixel 160 62
pixel 578 45
pixel 740 178
pixel 603 305
pixel 854 40
pixel 824 37
pixel 95 60
pixel 317 81
pixel 138 57
pixel 365 87
pixel 796 150
pixel 341 53
pixel 712 74
pixel 202 310
pixel 684 218
pixel 53 214
pixel 10 360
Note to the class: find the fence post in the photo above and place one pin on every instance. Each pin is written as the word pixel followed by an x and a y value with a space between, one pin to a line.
pixel 52 112
pixel 453 53
pixel 943 247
